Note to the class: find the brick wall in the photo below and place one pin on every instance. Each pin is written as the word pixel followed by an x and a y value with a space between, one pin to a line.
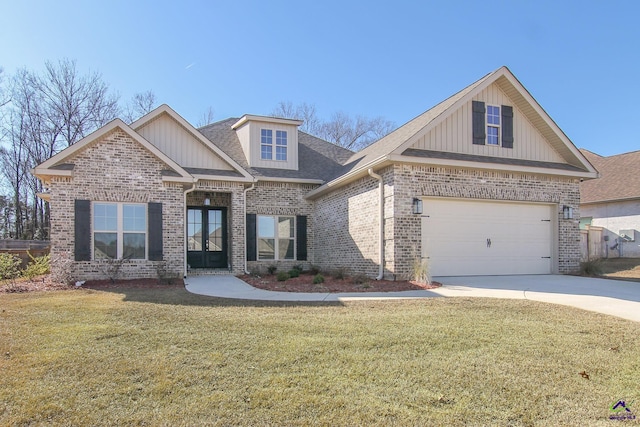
pixel 116 169
pixel 415 181
pixel 347 226
pixel 282 198
pixel 346 220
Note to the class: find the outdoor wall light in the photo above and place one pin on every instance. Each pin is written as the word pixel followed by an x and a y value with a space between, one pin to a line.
pixel 567 212
pixel 417 207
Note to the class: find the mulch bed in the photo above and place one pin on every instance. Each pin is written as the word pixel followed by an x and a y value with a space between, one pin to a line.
pixel 304 283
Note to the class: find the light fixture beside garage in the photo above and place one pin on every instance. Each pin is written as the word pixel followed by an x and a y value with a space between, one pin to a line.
pixel 417 206
pixel 567 212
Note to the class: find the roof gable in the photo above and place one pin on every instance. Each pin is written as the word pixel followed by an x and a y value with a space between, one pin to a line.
pixel 56 165
pixel 176 137
pixel 393 147
pixel 502 86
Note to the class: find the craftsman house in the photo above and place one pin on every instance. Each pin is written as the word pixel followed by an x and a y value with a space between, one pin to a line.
pixel 483 183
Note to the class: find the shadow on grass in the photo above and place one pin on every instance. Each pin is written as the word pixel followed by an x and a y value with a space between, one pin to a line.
pixel 178 295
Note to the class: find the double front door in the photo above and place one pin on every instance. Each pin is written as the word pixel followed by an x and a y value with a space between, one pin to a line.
pixel 207 237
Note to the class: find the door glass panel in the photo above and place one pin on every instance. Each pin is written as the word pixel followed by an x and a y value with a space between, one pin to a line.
pixel 215 230
pixel 194 229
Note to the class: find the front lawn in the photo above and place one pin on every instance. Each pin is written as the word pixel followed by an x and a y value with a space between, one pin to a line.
pixel 162 356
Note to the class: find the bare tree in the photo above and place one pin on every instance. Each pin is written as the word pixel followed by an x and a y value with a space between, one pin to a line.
pixel 206 118
pixel 305 112
pixel 141 104
pixel 342 129
pixel 74 105
pixel 46 114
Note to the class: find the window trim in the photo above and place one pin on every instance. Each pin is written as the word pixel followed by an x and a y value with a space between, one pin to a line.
pixel 276 238
pixel 498 126
pixel 120 231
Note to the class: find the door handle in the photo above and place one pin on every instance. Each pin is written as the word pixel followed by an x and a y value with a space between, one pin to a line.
pixel 488 243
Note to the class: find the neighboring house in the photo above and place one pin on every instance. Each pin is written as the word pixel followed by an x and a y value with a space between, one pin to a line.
pixel 610 205
pixel 475 185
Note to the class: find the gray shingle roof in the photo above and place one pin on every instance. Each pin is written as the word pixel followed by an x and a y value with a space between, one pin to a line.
pixel 619 178
pixel 317 159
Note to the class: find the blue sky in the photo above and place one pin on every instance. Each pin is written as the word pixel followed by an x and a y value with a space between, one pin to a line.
pixel 396 59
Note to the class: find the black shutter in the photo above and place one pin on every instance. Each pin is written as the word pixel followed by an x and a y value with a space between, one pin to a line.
pixel 82 230
pixel 507 126
pixel 301 237
pixel 479 134
pixel 154 214
pixel 252 245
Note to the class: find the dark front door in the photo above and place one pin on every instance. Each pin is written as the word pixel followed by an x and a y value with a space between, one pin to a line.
pixel 207 237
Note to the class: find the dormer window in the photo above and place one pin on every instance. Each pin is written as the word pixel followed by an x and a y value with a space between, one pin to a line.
pixel 266 144
pixel 269 142
pixel 281 145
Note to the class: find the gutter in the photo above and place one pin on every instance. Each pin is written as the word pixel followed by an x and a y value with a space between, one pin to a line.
pixel 381 239
pixel 244 201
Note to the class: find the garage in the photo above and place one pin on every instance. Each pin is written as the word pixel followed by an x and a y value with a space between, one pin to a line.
pixel 473 237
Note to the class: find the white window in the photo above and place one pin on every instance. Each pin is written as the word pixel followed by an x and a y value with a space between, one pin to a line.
pixel 493 125
pixel 266 145
pixel 276 237
pixel 119 231
pixel 281 145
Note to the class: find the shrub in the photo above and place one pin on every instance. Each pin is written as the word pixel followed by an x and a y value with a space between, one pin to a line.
pixel 282 276
pixel 420 271
pixel 298 267
pixel 591 268
pixel 294 272
pixel 9 266
pixel 37 267
pixel 272 269
pixel 317 279
pixel 340 273
pixel 360 278
pixel 63 268
pixel 314 269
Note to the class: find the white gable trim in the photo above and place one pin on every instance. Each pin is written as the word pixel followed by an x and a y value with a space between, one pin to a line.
pixel 44 169
pixel 165 109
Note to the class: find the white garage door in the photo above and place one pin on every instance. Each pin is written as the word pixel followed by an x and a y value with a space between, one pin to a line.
pixel 463 238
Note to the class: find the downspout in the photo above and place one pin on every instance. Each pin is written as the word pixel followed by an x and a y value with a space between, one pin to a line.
pixel 246 190
pixel 184 255
pixel 381 240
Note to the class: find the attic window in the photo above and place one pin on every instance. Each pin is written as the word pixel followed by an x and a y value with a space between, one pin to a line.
pixel 493 125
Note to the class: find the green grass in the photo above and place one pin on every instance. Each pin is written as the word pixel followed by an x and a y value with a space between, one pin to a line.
pixel 166 357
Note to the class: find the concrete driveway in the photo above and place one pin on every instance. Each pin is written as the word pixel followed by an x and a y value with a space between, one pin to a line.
pixel 613 297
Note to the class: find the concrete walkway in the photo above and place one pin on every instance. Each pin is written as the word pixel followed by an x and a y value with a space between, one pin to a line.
pixel 613 297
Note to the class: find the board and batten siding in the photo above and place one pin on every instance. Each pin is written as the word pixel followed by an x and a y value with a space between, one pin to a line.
pixel 180 145
pixel 249 136
pixel 454 134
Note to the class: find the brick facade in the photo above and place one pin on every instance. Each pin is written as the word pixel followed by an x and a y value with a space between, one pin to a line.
pixel 282 198
pixel 347 227
pixel 116 169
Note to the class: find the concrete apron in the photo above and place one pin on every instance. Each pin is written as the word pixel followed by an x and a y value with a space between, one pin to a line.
pixel 612 297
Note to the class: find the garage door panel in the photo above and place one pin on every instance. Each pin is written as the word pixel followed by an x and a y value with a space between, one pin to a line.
pixel 481 237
